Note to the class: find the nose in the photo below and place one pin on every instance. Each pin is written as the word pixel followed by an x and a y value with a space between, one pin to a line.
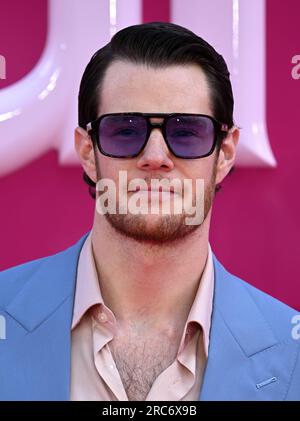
pixel 155 155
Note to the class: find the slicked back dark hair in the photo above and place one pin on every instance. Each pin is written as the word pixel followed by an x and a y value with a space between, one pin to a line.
pixel 159 45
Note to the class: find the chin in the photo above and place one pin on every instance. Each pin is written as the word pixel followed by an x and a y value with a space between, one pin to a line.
pixel 151 229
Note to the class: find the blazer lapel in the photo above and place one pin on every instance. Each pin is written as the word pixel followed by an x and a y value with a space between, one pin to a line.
pixel 245 359
pixel 37 352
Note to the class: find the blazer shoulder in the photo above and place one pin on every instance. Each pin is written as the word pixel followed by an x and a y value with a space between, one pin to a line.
pixel 277 314
pixel 13 279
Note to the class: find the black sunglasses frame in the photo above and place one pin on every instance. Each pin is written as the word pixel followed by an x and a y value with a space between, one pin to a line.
pixel 219 130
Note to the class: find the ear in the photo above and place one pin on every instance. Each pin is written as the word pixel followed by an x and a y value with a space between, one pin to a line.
pixel 85 151
pixel 227 154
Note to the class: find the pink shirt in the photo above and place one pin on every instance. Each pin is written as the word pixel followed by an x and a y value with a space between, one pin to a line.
pixel 94 375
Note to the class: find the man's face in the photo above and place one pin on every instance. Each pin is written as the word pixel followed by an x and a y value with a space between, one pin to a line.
pixel 129 87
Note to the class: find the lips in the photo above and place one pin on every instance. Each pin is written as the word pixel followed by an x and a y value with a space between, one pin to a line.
pixel 138 188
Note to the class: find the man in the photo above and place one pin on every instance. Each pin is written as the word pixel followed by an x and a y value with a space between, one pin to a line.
pixel 140 308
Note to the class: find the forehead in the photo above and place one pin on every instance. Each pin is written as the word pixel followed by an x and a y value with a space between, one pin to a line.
pixel 136 87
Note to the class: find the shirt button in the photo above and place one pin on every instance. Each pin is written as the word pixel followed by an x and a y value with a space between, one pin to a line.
pixel 102 317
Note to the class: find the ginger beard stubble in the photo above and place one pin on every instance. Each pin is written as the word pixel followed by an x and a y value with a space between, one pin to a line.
pixel 163 228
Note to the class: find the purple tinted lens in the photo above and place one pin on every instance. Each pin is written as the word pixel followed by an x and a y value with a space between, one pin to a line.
pixel 190 136
pixel 122 136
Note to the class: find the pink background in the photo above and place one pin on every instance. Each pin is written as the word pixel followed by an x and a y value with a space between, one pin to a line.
pixel 255 225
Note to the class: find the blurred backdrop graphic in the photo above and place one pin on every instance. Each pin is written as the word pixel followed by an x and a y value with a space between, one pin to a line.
pixel 45 206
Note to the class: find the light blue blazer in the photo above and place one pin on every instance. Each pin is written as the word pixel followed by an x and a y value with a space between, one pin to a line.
pixel 252 355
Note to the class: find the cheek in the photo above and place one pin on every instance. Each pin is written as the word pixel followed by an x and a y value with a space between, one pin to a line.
pixel 110 168
pixel 202 168
pixel 106 166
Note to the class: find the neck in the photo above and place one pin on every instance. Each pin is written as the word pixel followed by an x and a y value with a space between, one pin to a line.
pixel 153 285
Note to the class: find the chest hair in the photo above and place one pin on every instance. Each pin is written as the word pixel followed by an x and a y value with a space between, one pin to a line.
pixel 140 360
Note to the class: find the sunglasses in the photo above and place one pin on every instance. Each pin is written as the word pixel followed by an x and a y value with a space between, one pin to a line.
pixel 125 135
